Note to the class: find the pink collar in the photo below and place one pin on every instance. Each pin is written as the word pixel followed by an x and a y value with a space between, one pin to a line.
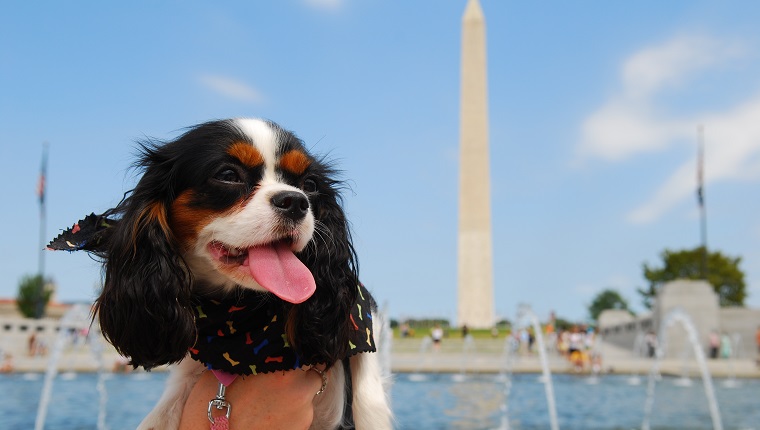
pixel 224 378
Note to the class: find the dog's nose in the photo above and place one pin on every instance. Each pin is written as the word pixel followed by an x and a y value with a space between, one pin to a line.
pixel 292 204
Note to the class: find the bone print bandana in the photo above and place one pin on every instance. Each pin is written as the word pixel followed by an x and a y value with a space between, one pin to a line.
pixel 246 335
pixel 88 234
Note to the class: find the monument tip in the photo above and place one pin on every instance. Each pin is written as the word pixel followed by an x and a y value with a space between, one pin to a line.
pixel 473 11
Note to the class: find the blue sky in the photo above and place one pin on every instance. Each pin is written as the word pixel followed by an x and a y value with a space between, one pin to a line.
pixel 594 109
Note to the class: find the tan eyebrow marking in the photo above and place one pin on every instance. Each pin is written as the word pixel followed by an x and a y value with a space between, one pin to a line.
pixel 295 161
pixel 246 153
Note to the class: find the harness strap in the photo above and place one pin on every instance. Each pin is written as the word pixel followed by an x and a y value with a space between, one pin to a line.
pixel 221 423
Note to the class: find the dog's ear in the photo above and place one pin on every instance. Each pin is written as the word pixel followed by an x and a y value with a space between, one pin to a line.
pixel 320 326
pixel 145 308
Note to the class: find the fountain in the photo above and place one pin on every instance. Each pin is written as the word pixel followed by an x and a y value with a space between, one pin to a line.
pixel 639 350
pixel 596 359
pixel 385 339
pixel 76 318
pixel 511 346
pixel 385 347
pixel 525 312
pixel 425 347
pixel 468 345
pixel 736 343
pixel 678 315
pixel 684 380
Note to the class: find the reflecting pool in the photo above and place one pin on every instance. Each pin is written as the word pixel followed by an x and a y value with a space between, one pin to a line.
pixel 435 401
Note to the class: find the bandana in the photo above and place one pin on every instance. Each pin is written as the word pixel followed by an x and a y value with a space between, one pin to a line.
pixel 88 234
pixel 246 336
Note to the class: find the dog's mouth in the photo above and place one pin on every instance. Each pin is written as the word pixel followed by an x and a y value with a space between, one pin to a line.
pixel 273 266
pixel 227 254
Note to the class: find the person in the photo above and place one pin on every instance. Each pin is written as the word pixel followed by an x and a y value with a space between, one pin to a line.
pixel 276 400
pixel 121 365
pixel 33 344
pixel 465 330
pixel 6 362
pixel 436 334
pixel 714 343
pixel 563 343
pixel 524 338
pixel 404 329
pixel 575 342
pixel 651 341
pixel 531 341
pixel 726 350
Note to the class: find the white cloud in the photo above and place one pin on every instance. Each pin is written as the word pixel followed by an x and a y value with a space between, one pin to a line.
pixel 627 124
pixel 622 129
pixel 732 152
pixel 652 69
pixel 230 88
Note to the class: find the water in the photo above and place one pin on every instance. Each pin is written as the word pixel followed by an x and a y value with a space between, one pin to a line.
pixel 425 351
pixel 525 312
pixel 436 403
pixel 77 318
pixel 678 315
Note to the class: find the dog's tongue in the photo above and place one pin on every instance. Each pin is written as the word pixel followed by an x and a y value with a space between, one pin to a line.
pixel 277 269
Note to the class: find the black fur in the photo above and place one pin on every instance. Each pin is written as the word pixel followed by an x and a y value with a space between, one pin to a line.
pixel 322 321
pixel 145 307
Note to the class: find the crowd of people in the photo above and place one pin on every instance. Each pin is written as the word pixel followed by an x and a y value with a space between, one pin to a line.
pixel 577 345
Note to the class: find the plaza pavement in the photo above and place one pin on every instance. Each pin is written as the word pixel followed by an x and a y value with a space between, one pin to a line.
pixel 454 356
pixel 488 356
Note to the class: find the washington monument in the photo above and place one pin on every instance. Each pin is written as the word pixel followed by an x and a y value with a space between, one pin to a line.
pixel 475 270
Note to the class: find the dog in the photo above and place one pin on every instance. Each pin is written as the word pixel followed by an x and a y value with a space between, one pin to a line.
pixel 236 218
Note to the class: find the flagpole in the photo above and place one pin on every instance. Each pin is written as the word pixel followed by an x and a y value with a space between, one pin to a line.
pixel 701 198
pixel 41 188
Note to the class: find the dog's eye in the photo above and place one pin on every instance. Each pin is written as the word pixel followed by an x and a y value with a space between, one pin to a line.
pixel 229 176
pixel 309 186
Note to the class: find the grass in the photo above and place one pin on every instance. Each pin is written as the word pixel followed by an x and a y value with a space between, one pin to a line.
pixel 453 332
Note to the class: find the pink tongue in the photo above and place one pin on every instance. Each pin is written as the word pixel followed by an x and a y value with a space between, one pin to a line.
pixel 277 269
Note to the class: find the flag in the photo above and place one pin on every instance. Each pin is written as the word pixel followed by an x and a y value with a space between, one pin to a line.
pixel 41 184
pixel 700 170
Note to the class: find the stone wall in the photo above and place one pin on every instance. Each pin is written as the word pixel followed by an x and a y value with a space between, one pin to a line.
pixel 15 333
pixel 622 329
pixel 741 324
pixel 697 299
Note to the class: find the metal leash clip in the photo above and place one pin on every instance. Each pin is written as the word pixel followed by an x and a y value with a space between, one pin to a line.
pixel 219 403
pixel 323 374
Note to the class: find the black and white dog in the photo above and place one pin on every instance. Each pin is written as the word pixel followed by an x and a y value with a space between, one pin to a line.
pixel 237 215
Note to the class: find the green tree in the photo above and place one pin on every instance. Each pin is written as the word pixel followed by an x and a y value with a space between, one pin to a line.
pixel 29 290
pixel 607 299
pixel 723 273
